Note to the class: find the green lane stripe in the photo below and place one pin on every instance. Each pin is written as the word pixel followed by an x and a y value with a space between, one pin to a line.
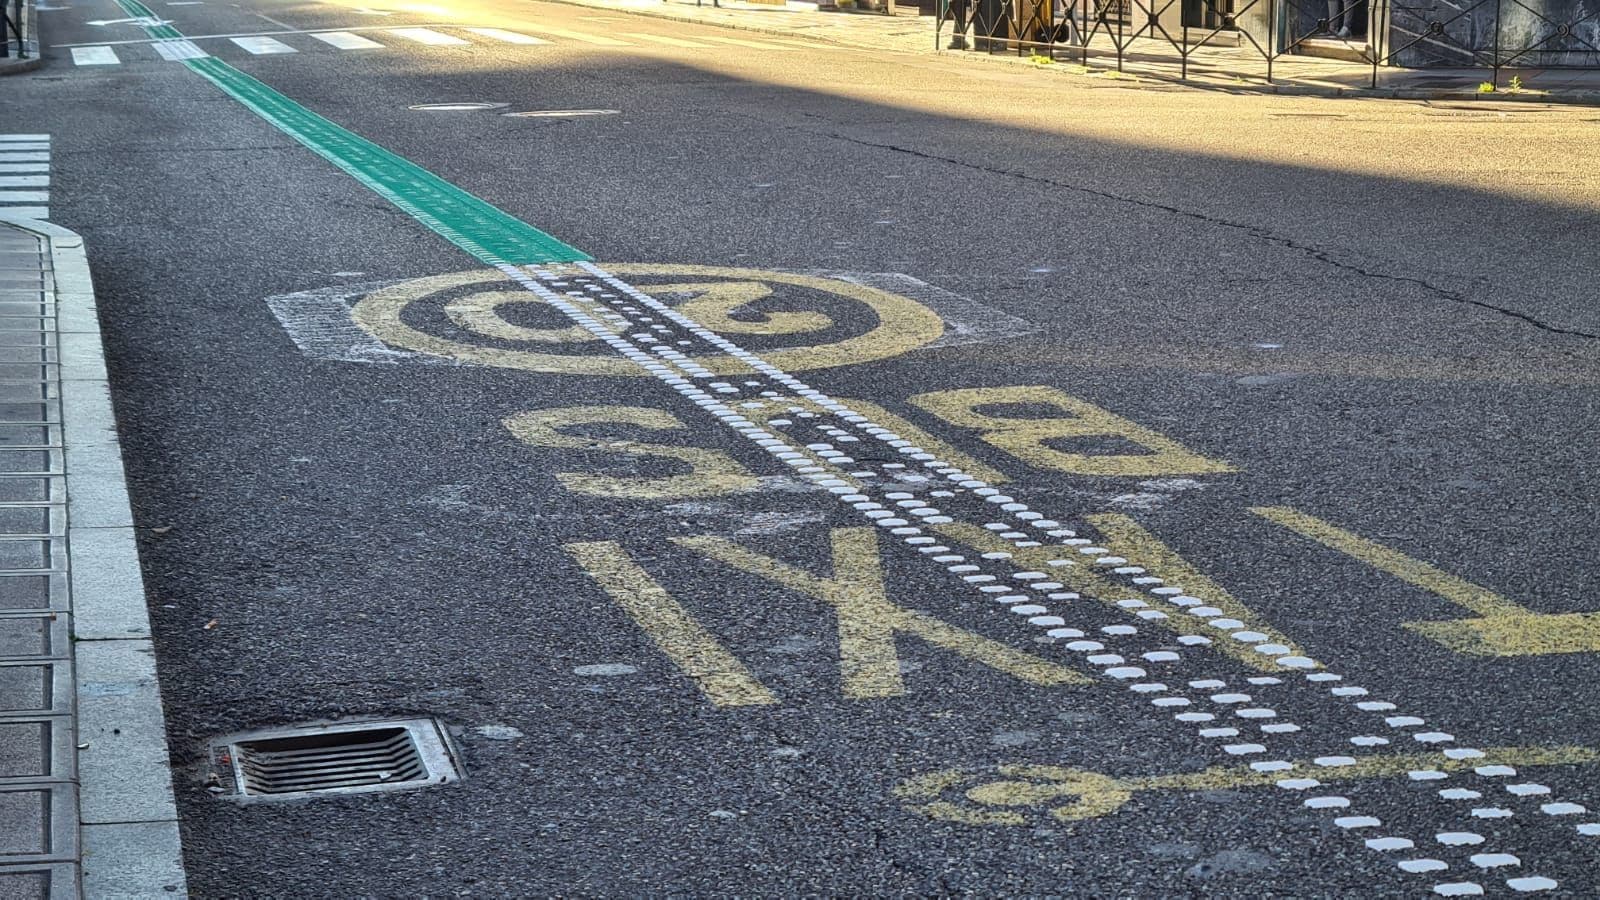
pixel 476 226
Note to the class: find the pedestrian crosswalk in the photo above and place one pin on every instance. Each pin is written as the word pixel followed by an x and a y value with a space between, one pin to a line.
pixel 25 175
pixel 381 38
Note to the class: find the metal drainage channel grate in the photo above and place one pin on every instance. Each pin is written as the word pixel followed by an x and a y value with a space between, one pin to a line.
pixel 344 758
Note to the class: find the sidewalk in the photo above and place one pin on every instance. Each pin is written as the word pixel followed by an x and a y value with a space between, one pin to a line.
pixel 1147 63
pixel 85 791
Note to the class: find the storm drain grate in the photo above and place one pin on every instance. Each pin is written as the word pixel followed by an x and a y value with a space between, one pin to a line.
pixel 342 758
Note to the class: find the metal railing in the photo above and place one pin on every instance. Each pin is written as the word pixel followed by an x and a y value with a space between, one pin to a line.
pixel 1477 34
pixel 12 23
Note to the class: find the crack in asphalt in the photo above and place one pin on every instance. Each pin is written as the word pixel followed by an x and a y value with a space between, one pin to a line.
pixel 1255 231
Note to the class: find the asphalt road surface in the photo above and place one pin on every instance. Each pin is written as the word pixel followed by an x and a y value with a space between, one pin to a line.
pixel 950 477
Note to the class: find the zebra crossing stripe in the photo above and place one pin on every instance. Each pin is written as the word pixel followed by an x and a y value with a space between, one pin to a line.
pixel 579 36
pixel 741 42
pixel 21 195
pixel 345 40
pixel 175 50
pixel 668 41
pixel 428 36
pixel 261 46
pixel 94 56
pixel 510 37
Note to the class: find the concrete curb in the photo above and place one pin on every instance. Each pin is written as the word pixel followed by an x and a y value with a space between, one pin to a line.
pixel 129 836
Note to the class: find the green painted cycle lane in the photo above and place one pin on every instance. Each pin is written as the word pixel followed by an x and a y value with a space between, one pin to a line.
pixel 483 230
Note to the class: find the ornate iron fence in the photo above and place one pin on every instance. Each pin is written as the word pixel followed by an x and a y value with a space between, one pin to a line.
pixel 1478 34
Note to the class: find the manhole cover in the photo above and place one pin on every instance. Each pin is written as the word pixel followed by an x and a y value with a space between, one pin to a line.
pixel 456 107
pixel 343 758
pixel 561 113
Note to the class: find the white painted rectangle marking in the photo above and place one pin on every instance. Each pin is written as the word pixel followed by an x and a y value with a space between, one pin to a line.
pixel 94 56
pixel 427 36
pixel 668 41
pixel 579 36
pixel 23 157
pixel 20 168
pixel 24 196
pixel 27 138
pixel 177 50
pixel 346 40
pixel 22 181
pixel 24 147
pixel 25 212
pixel 262 46
pixel 741 42
pixel 510 37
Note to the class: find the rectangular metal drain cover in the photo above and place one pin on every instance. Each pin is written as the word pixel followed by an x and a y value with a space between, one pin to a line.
pixel 333 758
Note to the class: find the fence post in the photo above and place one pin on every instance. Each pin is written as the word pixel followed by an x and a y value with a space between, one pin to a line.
pixel 1496 61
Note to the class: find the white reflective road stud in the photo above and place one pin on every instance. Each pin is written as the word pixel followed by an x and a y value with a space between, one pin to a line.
pixel 868 622
pixel 1064 417
pixel 712 473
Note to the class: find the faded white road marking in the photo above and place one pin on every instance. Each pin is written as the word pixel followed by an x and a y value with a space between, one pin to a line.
pixel 24 181
pixel 510 37
pixel 428 36
pixel 27 212
pixel 579 36
pixel 667 41
pixel 741 42
pixel 23 139
pixel 178 50
pixel 24 196
pixel 94 56
pixel 262 46
pixel 345 40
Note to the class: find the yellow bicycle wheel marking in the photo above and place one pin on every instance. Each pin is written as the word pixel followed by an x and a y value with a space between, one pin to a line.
pixel 902 323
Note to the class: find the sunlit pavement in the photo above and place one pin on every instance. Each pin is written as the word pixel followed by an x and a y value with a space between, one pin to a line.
pixel 788 469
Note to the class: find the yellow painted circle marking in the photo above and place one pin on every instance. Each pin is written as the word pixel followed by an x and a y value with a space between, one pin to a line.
pixel 903 324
